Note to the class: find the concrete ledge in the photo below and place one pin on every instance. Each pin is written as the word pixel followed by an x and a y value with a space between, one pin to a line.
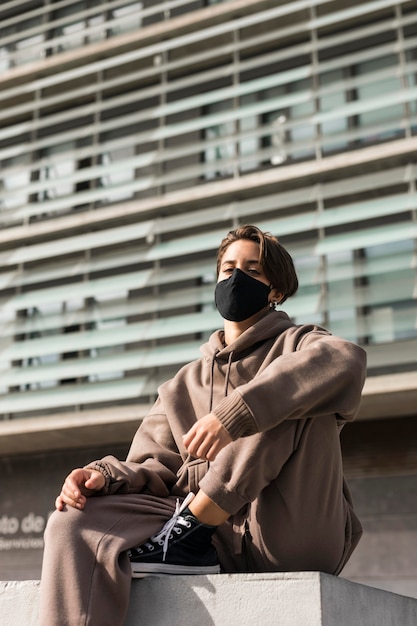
pixel 287 599
pixel 19 603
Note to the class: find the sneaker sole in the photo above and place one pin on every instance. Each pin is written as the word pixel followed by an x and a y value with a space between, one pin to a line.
pixel 140 570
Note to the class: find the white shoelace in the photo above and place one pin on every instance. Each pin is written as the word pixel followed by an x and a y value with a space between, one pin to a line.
pixel 164 534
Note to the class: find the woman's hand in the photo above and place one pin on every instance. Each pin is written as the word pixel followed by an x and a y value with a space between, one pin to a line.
pixel 206 438
pixel 78 486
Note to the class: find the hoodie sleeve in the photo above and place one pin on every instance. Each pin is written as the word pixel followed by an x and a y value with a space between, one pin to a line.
pixel 324 376
pixel 152 462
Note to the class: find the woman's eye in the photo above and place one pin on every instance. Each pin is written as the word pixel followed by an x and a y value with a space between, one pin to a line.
pixel 253 271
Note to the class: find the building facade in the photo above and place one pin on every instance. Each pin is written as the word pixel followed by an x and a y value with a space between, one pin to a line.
pixel 133 136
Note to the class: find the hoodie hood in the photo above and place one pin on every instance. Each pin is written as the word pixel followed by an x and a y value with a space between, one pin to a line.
pixel 271 325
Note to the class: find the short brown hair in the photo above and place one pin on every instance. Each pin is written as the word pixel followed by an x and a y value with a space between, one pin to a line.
pixel 276 262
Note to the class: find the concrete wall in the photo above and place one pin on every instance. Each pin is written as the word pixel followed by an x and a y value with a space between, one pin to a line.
pixel 380 461
pixel 287 599
pixel 386 556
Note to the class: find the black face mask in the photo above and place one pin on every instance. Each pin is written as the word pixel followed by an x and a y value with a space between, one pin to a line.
pixel 240 296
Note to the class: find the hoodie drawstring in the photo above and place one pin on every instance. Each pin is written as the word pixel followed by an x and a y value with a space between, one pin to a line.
pixel 226 382
pixel 227 377
pixel 213 360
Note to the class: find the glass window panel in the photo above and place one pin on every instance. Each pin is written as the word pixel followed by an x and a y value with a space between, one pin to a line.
pixel 340 293
pixel 106 299
pixel 127 18
pixel 249 143
pixel 290 124
pixel 278 140
pixel 390 248
pixel 15 181
pixel 329 101
pixel 4 59
pixel 302 133
pixel 39 360
pixel 375 91
pixel 57 167
pixel 405 320
pixel 96 28
pixel 411 77
pixel 116 177
pixel 29 49
pixel 392 312
pixel 74 36
pixel 275 124
pixel 219 150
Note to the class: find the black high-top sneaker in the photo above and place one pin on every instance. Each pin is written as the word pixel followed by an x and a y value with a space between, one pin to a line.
pixel 182 546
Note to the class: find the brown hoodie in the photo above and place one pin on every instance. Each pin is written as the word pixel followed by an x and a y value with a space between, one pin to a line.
pixel 273 373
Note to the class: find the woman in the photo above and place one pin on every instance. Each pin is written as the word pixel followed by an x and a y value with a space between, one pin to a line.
pixel 252 428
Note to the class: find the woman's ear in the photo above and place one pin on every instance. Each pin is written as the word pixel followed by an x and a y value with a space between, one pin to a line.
pixel 275 296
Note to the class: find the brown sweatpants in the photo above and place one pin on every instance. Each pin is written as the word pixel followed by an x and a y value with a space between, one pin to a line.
pixel 291 510
pixel 86 572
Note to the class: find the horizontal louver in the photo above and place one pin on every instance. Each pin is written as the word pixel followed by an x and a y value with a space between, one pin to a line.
pixel 134 135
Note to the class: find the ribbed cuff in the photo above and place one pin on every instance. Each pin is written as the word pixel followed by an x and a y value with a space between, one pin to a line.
pixel 235 416
pixel 103 469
